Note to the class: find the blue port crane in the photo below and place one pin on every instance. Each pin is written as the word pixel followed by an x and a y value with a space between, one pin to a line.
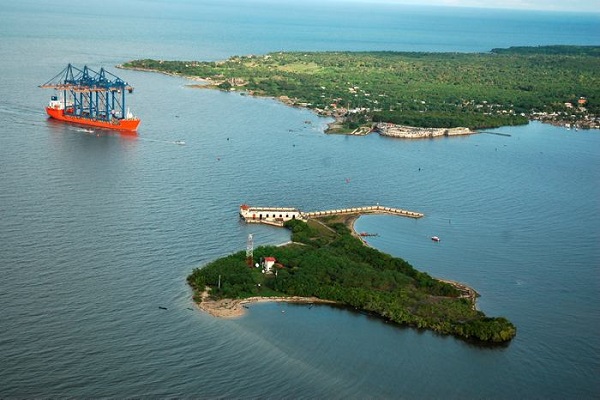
pixel 90 94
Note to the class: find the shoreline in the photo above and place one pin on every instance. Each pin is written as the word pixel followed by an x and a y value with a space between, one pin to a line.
pixel 157 71
pixel 235 308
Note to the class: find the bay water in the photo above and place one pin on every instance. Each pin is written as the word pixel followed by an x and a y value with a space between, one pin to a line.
pixel 99 230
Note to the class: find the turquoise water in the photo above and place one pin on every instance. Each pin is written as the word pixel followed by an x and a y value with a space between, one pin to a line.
pixel 97 231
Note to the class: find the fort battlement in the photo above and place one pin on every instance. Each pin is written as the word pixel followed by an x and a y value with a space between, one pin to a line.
pixel 278 215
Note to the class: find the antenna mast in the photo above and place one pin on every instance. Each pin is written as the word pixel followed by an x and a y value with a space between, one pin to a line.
pixel 250 251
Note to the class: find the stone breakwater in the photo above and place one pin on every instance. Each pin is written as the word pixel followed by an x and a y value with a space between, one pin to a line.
pixel 412 132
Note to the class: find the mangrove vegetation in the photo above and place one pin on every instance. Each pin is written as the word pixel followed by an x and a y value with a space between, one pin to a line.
pixel 327 261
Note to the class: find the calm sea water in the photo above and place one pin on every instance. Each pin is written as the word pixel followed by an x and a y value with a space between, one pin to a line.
pixel 97 231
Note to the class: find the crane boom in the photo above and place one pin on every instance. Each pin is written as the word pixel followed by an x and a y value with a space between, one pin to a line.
pixel 90 97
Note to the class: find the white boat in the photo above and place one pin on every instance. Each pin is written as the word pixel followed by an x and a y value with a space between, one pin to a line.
pixel 435 238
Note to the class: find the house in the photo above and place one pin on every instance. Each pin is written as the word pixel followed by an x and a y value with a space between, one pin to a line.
pixel 268 263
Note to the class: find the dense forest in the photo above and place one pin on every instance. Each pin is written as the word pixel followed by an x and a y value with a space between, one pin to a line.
pixel 326 261
pixel 474 90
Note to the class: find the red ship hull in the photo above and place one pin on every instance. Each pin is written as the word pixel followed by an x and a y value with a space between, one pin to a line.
pixel 129 125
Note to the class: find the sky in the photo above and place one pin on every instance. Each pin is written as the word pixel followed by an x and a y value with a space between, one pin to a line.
pixel 547 5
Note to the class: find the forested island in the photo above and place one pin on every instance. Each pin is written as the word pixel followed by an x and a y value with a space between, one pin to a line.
pixel 555 84
pixel 326 261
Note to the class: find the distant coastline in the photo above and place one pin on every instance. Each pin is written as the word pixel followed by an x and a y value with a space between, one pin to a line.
pixel 405 92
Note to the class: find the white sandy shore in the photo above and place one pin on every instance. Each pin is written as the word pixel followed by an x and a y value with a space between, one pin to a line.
pixel 233 308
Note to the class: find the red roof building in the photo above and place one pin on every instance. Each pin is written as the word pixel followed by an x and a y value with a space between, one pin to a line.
pixel 268 263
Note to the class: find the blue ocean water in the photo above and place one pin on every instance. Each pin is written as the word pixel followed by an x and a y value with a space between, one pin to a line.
pixel 97 230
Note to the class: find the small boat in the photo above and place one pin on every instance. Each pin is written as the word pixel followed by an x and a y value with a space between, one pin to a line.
pixel 435 238
pixel 364 234
pixel 180 142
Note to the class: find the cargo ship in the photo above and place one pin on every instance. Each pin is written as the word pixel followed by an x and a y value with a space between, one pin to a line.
pixel 90 98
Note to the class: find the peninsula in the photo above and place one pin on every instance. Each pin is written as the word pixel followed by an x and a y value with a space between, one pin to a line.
pixel 396 92
pixel 327 262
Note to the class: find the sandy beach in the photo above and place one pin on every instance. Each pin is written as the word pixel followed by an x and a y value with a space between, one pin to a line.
pixel 234 308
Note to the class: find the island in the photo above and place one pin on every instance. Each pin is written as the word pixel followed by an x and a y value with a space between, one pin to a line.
pixel 326 261
pixel 397 93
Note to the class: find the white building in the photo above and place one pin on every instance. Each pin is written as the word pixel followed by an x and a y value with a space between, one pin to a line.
pixel 273 215
pixel 268 264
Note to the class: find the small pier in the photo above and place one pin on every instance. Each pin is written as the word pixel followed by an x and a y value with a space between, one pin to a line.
pixel 277 216
pixel 497 133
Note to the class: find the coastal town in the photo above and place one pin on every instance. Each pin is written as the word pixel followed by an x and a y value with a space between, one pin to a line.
pixel 574 116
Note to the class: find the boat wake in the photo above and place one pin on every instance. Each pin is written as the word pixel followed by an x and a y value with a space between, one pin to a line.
pixel 84 130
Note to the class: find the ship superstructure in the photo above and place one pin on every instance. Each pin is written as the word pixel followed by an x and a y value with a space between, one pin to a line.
pixel 91 98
